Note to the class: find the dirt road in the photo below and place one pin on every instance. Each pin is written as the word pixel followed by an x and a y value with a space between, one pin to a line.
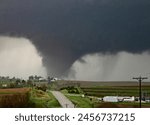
pixel 63 100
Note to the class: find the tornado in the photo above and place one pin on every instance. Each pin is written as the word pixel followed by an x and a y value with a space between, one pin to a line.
pixel 65 32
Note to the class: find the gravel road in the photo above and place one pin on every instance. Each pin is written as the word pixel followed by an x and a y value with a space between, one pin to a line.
pixel 63 100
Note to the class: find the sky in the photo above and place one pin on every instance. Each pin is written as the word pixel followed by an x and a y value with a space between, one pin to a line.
pixel 66 31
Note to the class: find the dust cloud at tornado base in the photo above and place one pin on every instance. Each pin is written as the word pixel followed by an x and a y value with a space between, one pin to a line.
pixel 122 66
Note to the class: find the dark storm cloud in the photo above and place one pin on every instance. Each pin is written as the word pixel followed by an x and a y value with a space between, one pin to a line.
pixel 65 30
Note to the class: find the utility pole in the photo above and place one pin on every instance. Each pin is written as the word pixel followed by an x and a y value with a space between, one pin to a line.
pixel 140 82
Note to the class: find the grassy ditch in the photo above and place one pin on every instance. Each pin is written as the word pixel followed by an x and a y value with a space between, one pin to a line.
pixel 41 99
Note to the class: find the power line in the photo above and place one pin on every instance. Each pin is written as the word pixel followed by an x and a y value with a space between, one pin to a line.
pixel 140 79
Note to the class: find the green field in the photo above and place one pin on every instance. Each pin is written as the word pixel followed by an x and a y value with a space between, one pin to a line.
pixel 93 92
pixel 102 91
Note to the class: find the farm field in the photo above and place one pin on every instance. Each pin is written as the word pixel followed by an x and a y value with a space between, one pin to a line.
pixel 92 102
pixel 14 98
pixel 91 93
pixel 14 90
pixel 65 83
pixel 101 91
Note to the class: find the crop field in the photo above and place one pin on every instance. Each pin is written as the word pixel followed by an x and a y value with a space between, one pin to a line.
pixel 102 91
pixel 15 90
pixel 110 88
pixel 90 84
pixel 14 98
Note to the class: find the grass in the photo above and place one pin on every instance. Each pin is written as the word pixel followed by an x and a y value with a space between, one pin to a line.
pixel 41 99
pixel 78 100
pixel 53 103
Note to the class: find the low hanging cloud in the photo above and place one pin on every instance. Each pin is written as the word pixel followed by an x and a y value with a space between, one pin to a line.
pixel 19 58
pixel 110 67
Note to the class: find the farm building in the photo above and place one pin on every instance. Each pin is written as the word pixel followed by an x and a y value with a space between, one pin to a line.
pixel 126 99
pixel 110 99
pixel 118 99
